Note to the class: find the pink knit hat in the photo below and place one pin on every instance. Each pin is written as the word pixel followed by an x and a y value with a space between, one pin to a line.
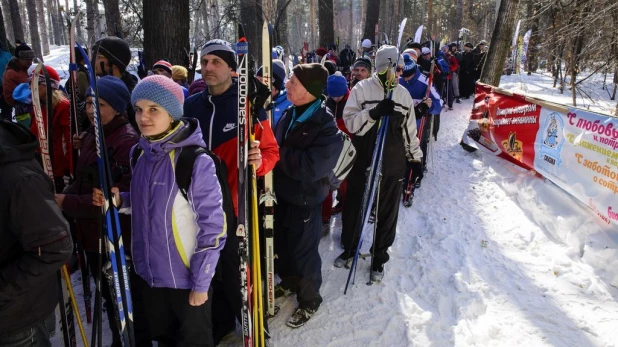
pixel 162 90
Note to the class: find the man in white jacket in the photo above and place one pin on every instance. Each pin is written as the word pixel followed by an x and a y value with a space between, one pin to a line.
pixel 368 102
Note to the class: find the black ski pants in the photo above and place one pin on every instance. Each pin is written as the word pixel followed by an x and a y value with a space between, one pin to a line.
pixel 388 211
pixel 173 321
pixel 298 230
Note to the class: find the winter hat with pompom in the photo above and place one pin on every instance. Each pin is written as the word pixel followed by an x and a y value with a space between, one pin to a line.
pixel 409 66
pixel 336 85
pixel 162 90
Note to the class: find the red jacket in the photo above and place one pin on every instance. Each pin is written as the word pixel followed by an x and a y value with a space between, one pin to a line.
pixel 454 64
pixel 60 136
pixel 218 118
pixel 12 78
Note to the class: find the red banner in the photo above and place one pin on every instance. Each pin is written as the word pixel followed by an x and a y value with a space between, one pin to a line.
pixel 575 149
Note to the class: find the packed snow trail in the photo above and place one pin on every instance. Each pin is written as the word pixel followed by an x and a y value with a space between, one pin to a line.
pixel 543 278
pixel 528 286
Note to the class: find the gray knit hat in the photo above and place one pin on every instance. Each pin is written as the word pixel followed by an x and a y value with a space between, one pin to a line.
pixel 386 57
pixel 162 90
pixel 221 49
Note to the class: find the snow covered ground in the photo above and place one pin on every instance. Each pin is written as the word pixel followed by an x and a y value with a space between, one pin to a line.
pixel 488 255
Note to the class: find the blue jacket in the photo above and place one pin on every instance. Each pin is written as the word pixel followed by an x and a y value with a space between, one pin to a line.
pixel 308 152
pixel 444 65
pixel 281 104
pixel 417 86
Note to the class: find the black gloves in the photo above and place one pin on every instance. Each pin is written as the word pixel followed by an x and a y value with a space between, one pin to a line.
pixel 417 171
pixel 420 109
pixel 386 107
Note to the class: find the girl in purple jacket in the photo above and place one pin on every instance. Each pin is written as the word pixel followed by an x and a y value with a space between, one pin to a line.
pixel 175 241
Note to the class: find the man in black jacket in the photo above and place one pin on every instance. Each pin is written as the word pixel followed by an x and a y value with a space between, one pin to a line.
pixel 32 250
pixel 309 146
pixel 466 76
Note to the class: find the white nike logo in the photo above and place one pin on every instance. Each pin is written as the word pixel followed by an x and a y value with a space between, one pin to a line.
pixel 229 126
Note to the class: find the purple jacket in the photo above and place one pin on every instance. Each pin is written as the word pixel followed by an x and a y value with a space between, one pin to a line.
pixel 176 243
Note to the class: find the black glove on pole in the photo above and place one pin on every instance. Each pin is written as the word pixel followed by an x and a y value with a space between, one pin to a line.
pixel 386 107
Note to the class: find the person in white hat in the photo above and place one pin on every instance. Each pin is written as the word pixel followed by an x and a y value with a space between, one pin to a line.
pixel 367 49
pixel 362 115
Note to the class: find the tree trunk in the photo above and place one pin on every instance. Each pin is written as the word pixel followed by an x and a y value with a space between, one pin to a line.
pixel 97 20
pixel 18 29
pixel 251 16
pixel 532 54
pixel 34 29
pixel 6 12
pixel 205 22
pixel 5 45
pixel 24 20
pixel 281 24
pixel 430 18
pixel 90 22
pixel 350 24
pixel 458 19
pixel 169 41
pixel 62 35
pixel 312 22
pixel 216 24
pixel 327 30
pixel 78 25
pixel 371 19
pixel 500 42
pixel 51 12
pixel 113 20
pixel 40 9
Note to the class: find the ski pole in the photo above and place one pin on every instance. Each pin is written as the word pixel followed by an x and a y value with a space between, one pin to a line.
pixel 67 279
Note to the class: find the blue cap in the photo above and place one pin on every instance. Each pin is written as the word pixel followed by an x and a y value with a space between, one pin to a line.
pixel 336 85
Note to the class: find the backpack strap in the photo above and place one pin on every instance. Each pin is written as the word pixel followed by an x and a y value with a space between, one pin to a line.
pixel 184 167
pixel 135 155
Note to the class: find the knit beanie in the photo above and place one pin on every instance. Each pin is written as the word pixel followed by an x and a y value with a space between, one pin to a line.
pixel 336 85
pixel 366 43
pixel 412 52
pixel 115 49
pixel 163 64
pixel 330 67
pixel 425 50
pixel 113 91
pixel 221 49
pixel 54 78
pixel 409 66
pixel 362 62
pixel 24 51
pixel 22 93
pixel 312 77
pixel 197 86
pixel 179 72
pixel 278 75
pixel 162 90
pixel 386 57
pixel 413 45
pixel 321 51
pixel 468 44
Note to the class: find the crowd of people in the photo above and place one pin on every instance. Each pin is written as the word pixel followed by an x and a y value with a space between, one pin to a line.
pixel 184 273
